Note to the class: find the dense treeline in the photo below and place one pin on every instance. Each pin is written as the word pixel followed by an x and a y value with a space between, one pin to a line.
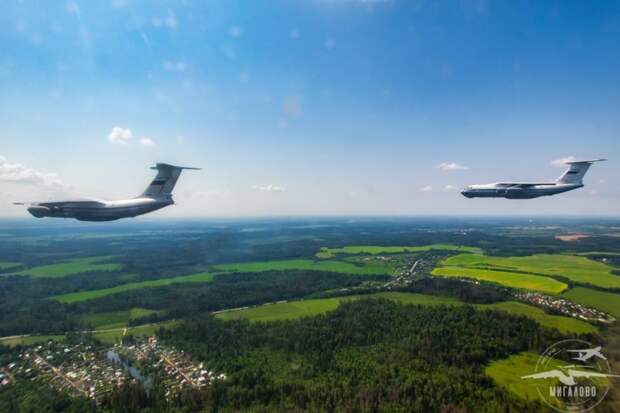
pixel 20 314
pixel 465 291
pixel 482 293
pixel 368 355
pixel 229 291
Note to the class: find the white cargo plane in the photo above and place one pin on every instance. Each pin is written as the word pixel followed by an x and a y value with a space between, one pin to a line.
pixel 156 196
pixel 571 179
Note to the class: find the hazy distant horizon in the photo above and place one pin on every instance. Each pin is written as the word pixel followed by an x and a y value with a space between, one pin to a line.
pixel 170 219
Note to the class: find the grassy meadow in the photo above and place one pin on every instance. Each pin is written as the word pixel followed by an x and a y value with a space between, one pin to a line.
pixel 115 319
pixel 110 336
pixel 93 294
pixel 72 267
pixel 601 300
pixel 507 373
pixel 7 265
pixel 563 324
pixel 295 309
pixel 575 268
pixel 302 308
pixel 505 278
pixel 374 250
pixel 370 268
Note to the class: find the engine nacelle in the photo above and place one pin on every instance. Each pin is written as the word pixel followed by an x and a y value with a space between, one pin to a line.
pixel 39 211
pixel 515 193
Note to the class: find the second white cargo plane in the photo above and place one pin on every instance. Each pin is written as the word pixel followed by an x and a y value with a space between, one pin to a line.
pixel 571 179
pixel 156 196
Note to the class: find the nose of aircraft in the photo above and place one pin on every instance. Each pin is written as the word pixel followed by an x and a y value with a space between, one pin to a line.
pixel 467 193
pixel 38 211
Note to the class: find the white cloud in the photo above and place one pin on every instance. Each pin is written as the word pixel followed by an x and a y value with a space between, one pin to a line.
pixel 16 172
pixel 562 161
pixel 119 136
pixel 427 188
pixel 449 188
pixel 175 66
pixel 452 166
pixel 269 188
pixel 146 142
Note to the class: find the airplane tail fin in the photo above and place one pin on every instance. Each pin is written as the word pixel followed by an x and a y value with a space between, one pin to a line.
pixel 576 171
pixel 165 180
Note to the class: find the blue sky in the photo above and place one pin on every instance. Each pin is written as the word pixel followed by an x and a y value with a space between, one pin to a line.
pixel 310 106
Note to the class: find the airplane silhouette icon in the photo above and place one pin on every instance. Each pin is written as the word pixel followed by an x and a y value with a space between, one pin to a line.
pixel 587 354
pixel 567 378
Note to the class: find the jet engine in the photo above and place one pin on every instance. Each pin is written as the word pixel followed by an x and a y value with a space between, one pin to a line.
pixel 39 211
pixel 515 193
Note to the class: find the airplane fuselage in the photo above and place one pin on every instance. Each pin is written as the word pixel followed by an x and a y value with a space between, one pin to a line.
pixel 99 210
pixel 516 191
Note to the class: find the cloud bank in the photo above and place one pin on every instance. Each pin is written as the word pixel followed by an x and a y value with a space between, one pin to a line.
pixel 18 173
pixel 269 188
pixel 451 166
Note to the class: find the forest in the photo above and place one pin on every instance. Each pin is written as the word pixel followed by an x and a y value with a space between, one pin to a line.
pixel 369 355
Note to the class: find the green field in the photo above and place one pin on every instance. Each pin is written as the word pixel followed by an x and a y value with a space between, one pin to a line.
pixel 72 267
pixel 604 301
pixel 296 309
pixel 106 336
pixel 505 278
pixel 5 265
pixel 114 336
pixel 374 250
pixel 115 319
pixel 371 268
pixel 93 294
pixel 563 324
pixel 576 268
pixel 28 340
pixel 284 311
pixel 507 373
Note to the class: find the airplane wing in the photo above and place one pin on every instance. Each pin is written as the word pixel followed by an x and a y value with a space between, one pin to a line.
pixel 79 201
pixel 581 373
pixel 545 375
